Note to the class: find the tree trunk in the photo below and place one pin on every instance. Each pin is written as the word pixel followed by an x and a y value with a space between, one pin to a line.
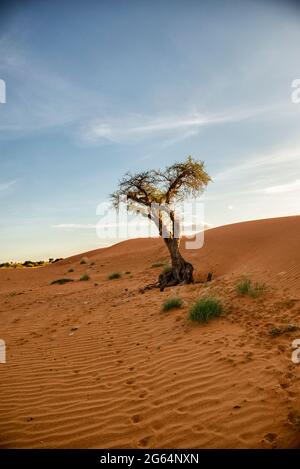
pixel 181 270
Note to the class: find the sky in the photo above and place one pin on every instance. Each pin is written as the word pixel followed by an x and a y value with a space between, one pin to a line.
pixel 98 88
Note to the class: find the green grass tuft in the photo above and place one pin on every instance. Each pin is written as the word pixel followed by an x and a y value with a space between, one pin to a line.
pixel 157 264
pixel 172 303
pixel 205 309
pixel 84 277
pixel 114 276
pixel 246 287
pixel 276 331
pixel 61 281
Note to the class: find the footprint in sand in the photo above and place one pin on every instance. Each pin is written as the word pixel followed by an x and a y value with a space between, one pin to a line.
pixel 197 427
pixel 130 381
pixel 136 418
pixel 144 442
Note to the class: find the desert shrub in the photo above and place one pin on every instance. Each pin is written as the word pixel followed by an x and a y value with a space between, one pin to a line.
pixel 258 289
pixel 276 331
pixel 246 287
pixel 84 260
pixel 61 281
pixel 128 272
pixel 114 276
pixel 15 265
pixel 84 277
pixel 28 264
pixel 172 303
pixel 205 309
pixel 71 269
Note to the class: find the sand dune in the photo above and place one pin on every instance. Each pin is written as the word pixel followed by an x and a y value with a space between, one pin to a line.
pixel 98 364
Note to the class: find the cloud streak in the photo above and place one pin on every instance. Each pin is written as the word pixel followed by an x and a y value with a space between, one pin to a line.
pixel 77 226
pixel 4 186
pixel 141 127
pixel 289 187
pixel 275 158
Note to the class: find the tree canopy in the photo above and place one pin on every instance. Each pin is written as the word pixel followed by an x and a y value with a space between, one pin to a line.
pixel 146 189
pixel 154 194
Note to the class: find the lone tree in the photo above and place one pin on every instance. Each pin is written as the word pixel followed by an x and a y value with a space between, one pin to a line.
pixel 154 194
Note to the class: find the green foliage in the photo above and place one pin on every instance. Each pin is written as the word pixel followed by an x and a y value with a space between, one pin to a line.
pixel 205 309
pixel 246 287
pixel 114 276
pixel 61 281
pixel 172 184
pixel 172 303
pixel 84 277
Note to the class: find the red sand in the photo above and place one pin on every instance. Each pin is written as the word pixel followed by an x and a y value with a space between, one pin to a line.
pixel 102 366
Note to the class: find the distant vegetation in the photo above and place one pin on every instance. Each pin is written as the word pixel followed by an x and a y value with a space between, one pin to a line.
pixel 61 281
pixel 114 275
pixel 172 303
pixel 246 287
pixel 15 265
pixel 84 277
pixel 205 309
pixel 84 260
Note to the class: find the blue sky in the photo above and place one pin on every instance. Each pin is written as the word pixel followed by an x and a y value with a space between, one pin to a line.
pixel 98 88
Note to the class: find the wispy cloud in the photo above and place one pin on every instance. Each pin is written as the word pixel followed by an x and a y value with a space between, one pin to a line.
pixel 289 187
pixel 140 127
pixel 4 186
pixel 275 158
pixel 42 97
pixel 77 226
